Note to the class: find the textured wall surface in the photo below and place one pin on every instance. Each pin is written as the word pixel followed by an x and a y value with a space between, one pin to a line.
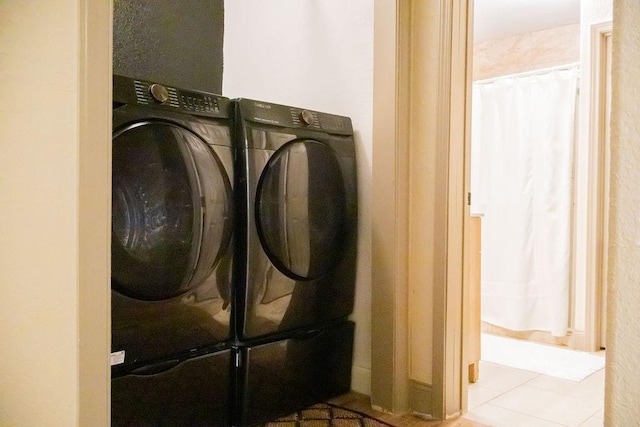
pixel 623 363
pixel 168 41
pixel 525 52
pixel 317 55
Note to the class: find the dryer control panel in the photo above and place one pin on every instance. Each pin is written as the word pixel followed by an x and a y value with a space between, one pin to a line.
pixel 292 117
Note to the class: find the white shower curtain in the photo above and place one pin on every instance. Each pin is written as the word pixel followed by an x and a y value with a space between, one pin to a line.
pixel 521 182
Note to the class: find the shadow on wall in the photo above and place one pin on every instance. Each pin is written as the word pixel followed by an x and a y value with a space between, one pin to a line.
pixel 174 42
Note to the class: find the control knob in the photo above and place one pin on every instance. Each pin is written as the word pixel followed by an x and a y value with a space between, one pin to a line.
pixel 159 92
pixel 307 117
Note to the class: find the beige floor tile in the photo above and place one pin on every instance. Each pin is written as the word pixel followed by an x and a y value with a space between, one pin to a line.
pixel 549 405
pixel 507 397
pixel 495 416
pixel 590 390
pixel 501 378
pixel 593 422
pixel 596 378
pixel 479 395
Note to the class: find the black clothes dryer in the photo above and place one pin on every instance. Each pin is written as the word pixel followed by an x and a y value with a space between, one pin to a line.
pixel 172 223
pixel 297 228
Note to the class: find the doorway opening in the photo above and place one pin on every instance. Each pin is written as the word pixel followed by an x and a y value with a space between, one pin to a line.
pixel 524 117
pixel 519 56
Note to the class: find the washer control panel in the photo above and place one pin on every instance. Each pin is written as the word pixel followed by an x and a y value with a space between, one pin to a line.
pixel 158 95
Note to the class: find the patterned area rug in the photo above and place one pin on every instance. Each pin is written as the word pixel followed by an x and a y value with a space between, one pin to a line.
pixel 325 415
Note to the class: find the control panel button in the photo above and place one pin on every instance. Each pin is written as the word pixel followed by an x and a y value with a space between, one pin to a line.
pixel 159 92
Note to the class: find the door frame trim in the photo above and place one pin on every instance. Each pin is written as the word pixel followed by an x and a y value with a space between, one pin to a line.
pixel 389 209
pixel 598 188
pixel 450 369
pixel 95 76
pixel 396 132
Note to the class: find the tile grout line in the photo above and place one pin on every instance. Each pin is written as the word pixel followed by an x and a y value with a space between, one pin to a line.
pixel 527 383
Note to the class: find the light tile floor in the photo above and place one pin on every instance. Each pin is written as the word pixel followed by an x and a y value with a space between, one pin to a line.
pixel 507 397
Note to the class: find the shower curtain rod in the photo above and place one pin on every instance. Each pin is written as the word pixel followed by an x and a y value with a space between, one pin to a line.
pixel 530 73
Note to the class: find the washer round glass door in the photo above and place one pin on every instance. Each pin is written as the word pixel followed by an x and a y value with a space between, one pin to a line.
pixel 157 212
pixel 301 209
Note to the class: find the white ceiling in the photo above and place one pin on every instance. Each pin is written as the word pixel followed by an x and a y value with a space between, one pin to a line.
pixel 495 19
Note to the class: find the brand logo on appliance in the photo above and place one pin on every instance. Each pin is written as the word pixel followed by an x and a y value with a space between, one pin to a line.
pixel 261 105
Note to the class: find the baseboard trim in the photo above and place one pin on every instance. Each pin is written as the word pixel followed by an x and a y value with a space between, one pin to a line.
pixel 361 380
pixel 535 336
pixel 421 399
pixel 578 341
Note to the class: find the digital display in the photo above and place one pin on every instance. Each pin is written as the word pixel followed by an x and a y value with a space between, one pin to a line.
pixel 334 123
pixel 198 102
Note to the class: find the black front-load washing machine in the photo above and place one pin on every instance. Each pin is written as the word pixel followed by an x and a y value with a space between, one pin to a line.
pixel 171 252
pixel 297 229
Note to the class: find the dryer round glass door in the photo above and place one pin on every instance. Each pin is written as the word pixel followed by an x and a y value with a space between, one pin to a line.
pixel 171 210
pixel 301 209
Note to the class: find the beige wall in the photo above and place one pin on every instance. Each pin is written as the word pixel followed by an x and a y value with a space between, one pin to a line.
pixel 623 363
pixel 43 133
pixel 39 188
pixel 526 52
